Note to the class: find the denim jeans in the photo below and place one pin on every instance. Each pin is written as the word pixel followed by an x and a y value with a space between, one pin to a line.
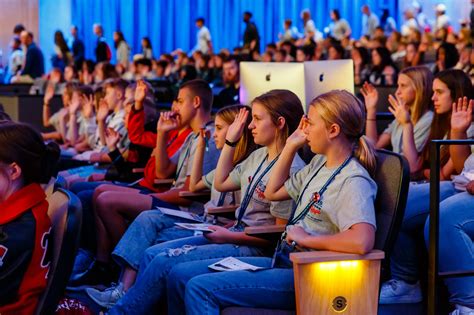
pixel 150 286
pixel 456 247
pixel 149 228
pixel 84 191
pixel 405 257
pixel 199 290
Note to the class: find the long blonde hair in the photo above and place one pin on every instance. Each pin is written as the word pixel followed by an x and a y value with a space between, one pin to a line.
pixel 348 112
pixel 422 80
pixel 245 145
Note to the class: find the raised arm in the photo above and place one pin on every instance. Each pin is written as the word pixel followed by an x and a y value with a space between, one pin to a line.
pixel 402 115
pixel 73 112
pixel 165 168
pixel 371 97
pixel 461 119
pixel 195 180
pixel 275 189
pixel 102 114
pixel 48 95
pixel 222 181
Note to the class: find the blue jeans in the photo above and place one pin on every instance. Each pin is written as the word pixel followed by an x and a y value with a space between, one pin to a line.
pixel 85 191
pixel 150 286
pixel 201 291
pixel 456 247
pixel 149 228
pixel 405 257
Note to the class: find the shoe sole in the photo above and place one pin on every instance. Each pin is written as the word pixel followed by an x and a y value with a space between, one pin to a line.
pixel 96 301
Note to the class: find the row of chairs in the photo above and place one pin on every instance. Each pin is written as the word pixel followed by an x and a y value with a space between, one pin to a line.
pixel 392 178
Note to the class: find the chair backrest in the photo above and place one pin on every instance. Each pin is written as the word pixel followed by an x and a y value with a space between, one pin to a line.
pixel 392 177
pixel 65 212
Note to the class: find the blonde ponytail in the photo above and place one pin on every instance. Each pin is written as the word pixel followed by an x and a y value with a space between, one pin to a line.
pixel 364 151
pixel 344 109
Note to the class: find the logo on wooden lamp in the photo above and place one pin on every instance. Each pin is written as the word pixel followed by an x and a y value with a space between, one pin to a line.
pixel 339 304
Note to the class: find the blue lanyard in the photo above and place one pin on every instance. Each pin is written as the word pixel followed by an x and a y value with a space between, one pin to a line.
pixel 186 155
pixel 317 196
pixel 250 190
pixel 220 203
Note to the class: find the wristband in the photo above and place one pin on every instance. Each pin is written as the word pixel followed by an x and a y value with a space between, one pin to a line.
pixel 231 144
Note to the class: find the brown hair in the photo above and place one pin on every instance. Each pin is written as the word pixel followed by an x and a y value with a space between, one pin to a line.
pixel 116 83
pixel 245 145
pixel 201 89
pixel 459 85
pixel 24 146
pixel 422 80
pixel 348 112
pixel 282 103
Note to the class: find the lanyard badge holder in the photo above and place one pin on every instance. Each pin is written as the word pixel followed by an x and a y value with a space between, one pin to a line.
pixel 239 225
pixel 281 256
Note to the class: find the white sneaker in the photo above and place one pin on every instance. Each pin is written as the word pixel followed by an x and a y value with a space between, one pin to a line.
pixel 107 298
pixel 399 292
pixel 462 310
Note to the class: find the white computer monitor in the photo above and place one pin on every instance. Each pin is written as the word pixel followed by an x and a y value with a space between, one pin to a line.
pixel 325 76
pixel 257 78
pixel 307 80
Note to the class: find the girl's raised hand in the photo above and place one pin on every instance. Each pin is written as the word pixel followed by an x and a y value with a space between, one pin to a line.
pixel 298 138
pixel 236 129
pixel 371 97
pixel 399 110
pixel 461 117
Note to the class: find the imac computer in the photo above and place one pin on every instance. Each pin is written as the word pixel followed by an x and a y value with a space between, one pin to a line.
pixel 307 80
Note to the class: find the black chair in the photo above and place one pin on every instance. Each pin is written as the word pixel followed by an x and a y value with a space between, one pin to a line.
pixel 65 211
pixel 433 274
pixel 392 177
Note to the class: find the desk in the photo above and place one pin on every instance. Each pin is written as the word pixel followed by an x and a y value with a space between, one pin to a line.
pixel 28 108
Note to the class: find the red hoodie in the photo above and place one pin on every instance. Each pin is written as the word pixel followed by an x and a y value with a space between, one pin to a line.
pixel 138 135
pixel 24 260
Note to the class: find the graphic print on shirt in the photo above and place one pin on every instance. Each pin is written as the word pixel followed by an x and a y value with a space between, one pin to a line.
pixel 3 253
pixel 47 251
pixel 315 210
pixel 259 194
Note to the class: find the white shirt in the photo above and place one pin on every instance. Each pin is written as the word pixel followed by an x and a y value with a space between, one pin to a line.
pixel 203 37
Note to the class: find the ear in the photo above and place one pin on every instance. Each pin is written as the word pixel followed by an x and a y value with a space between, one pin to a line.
pixel 15 171
pixel 281 123
pixel 196 102
pixel 333 131
pixel 120 94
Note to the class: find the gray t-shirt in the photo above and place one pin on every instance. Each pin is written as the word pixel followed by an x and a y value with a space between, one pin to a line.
pixel 421 133
pixel 229 197
pixel 261 211
pixel 184 157
pixel 348 200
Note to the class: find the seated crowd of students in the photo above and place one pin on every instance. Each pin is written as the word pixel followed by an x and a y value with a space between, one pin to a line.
pixel 247 156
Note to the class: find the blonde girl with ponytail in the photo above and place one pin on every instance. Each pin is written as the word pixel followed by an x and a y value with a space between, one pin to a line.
pixel 334 210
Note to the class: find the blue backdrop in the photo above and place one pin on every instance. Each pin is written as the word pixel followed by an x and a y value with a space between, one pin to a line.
pixel 170 23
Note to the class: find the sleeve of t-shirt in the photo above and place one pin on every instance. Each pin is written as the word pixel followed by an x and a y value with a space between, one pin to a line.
pixel 236 174
pixel 294 184
pixel 16 250
pixel 175 157
pixel 211 156
pixel 354 203
pixel 54 120
pixel 422 131
pixel 208 179
pixel 390 127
